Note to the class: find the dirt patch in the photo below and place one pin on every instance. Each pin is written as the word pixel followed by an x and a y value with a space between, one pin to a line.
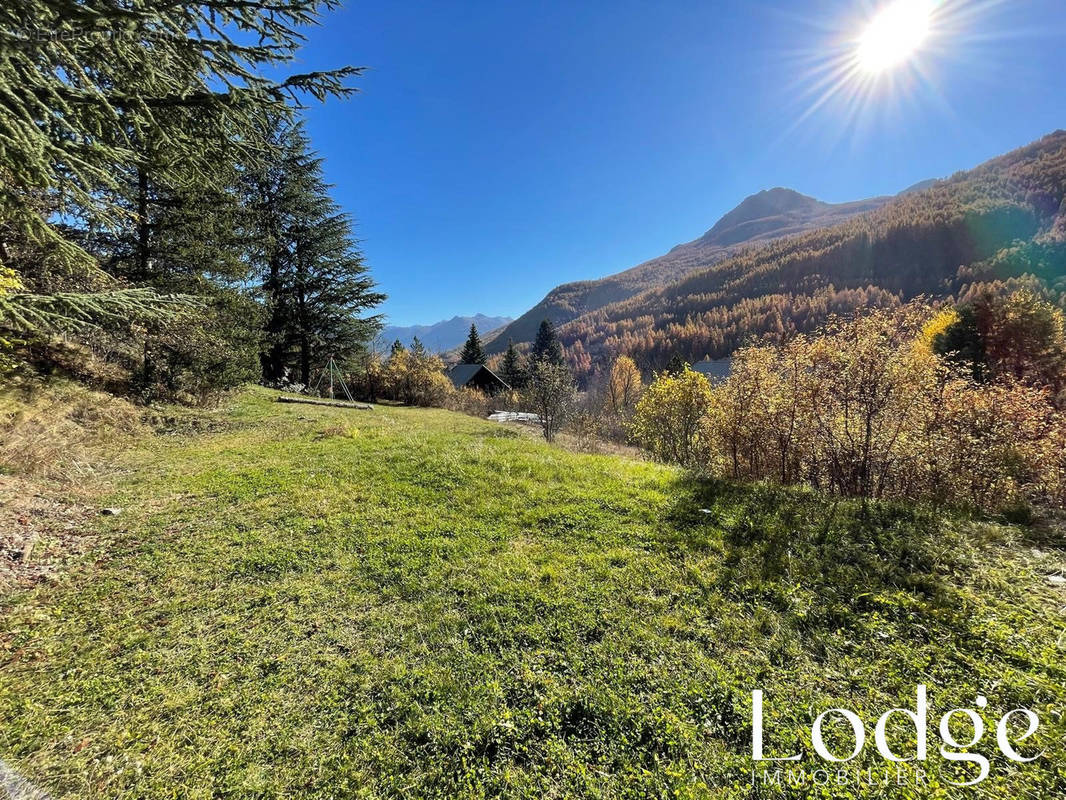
pixel 42 528
pixel 190 423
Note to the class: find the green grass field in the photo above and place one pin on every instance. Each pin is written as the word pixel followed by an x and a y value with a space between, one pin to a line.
pixel 305 601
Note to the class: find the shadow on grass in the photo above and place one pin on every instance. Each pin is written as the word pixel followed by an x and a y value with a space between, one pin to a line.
pixel 771 539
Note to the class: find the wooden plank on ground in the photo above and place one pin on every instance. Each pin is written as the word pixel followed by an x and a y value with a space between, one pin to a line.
pixel 335 403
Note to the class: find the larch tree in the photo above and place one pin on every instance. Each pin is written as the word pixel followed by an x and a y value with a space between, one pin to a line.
pixel 624 386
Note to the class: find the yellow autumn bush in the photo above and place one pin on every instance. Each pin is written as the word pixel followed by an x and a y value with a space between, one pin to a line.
pixel 865 409
pixel 671 418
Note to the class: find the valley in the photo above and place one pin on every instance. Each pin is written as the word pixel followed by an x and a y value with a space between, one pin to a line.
pixel 981 228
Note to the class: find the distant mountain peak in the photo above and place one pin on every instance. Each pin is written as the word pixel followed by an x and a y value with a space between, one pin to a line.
pixel 767 204
pixel 707 297
pixel 444 335
pixel 778 200
pixel 771 213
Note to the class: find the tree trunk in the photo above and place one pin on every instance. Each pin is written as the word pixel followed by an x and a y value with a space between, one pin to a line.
pixel 305 359
pixel 274 359
pixel 148 371
pixel 143 230
pixel 301 307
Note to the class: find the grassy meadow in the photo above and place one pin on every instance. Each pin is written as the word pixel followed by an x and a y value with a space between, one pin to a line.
pixel 322 602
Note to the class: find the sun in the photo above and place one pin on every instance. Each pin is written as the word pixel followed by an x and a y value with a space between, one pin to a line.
pixel 893 35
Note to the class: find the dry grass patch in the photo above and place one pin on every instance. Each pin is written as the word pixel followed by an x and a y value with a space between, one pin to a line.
pixel 54 438
pixel 60 430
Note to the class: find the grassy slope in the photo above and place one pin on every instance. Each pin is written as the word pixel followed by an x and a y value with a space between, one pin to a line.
pixel 403 602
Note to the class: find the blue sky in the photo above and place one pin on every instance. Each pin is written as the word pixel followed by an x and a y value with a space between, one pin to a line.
pixel 500 148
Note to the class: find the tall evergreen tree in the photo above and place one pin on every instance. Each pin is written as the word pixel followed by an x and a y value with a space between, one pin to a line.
pixel 550 386
pixel 186 239
pixel 511 369
pixel 472 352
pixel 546 346
pixel 85 85
pixel 313 276
pixel 676 365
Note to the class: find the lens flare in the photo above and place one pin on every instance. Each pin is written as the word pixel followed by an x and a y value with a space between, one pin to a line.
pixel 884 60
pixel 893 35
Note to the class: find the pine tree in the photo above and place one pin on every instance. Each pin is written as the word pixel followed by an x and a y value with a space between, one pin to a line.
pixel 313 275
pixel 273 202
pixel 198 86
pixel 550 388
pixel 186 238
pixel 546 346
pixel 511 369
pixel 472 352
pixel 86 85
pixel 676 365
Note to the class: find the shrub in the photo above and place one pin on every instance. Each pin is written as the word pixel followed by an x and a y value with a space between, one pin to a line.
pixel 471 401
pixel 551 395
pixel 431 389
pixel 588 430
pixel 865 409
pixel 671 418
pixel 197 358
pixel 413 376
pixel 987 444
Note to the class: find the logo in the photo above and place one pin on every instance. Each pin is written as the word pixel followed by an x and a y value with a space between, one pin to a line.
pixel 969 748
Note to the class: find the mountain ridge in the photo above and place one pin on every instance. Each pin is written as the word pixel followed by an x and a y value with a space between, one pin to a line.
pixel 999 225
pixel 444 335
pixel 760 217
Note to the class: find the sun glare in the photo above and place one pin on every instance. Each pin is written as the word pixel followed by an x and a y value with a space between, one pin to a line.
pixel 893 34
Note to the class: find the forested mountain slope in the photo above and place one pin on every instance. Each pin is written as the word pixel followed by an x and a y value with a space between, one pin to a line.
pixel 998 222
pixel 760 217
